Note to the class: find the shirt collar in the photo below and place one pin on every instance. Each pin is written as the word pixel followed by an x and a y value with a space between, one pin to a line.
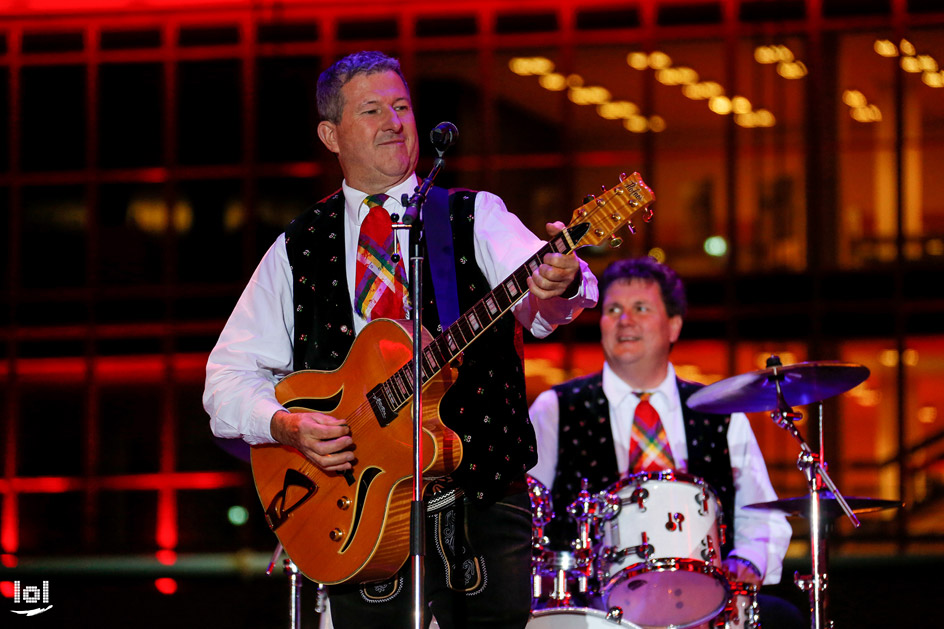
pixel 617 389
pixel 354 198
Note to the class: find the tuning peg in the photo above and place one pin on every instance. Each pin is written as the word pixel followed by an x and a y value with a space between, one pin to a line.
pixel 631 227
pixel 647 216
pixel 589 198
pixel 615 241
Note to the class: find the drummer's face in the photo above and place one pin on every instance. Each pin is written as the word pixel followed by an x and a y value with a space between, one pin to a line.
pixel 636 332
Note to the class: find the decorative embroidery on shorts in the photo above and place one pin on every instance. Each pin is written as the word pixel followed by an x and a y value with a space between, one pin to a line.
pixel 465 572
pixel 382 591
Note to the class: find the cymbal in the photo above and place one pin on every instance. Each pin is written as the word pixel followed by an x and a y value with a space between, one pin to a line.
pixel 801 383
pixel 829 505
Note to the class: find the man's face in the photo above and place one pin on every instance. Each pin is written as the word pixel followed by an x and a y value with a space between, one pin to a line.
pixel 636 332
pixel 376 138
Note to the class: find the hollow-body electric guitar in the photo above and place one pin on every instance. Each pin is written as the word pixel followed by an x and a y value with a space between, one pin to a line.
pixel 354 526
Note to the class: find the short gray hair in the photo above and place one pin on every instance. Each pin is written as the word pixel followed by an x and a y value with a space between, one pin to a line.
pixel 329 97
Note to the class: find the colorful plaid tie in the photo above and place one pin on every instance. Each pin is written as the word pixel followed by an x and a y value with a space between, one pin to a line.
pixel 380 279
pixel 649 449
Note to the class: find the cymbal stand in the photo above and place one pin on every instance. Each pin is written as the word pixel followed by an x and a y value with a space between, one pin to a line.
pixel 813 465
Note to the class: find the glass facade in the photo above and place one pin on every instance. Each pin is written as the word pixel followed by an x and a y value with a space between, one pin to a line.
pixel 149 156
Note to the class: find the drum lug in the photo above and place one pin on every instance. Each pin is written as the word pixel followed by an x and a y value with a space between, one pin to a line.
pixel 615 615
pixel 639 496
pixel 709 553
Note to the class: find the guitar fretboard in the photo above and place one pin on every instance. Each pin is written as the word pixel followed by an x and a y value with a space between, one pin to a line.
pixel 397 390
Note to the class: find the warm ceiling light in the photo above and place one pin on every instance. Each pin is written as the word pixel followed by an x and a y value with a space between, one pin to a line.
pixel 927 63
pixel 594 95
pixel 910 64
pixel 636 124
pixel 720 105
pixel 703 90
pixel 740 105
pixel 659 60
pixel 869 113
pixel 792 69
pixel 656 123
pixel 933 79
pixel 906 47
pixel 617 109
pixel 853 98
pixel 554 82
pixel 574 80
pixel 531 66
pixel 885 48
pixel 765 55
pixel 637 60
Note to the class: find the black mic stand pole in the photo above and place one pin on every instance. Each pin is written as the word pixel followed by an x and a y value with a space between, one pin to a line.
pixel 410 220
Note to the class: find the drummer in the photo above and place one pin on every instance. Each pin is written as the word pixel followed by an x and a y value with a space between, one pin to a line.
pixel 596 427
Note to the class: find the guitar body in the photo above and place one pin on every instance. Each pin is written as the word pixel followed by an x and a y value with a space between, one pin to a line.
pixel 339 528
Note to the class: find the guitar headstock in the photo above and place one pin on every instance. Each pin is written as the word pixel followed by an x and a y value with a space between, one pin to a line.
pixel 611 210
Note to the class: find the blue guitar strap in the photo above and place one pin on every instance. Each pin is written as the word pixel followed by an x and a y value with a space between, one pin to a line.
pixel 442 259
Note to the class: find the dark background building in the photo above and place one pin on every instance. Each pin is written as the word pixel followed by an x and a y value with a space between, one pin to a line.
pixel 150 151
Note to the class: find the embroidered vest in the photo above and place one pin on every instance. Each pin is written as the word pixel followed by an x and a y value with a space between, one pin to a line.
pixel 586 450
pixel 486 406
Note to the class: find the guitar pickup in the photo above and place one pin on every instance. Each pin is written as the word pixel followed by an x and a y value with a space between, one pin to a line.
pixel 381 406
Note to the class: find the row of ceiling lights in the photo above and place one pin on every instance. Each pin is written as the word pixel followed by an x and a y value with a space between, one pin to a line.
pixel 787 65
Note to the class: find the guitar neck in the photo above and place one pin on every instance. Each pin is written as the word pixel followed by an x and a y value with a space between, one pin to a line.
pixel 396 391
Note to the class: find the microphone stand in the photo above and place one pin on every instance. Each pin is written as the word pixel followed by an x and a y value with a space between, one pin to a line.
pixel 411 220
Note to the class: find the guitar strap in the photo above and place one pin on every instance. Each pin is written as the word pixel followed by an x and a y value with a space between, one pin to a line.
pixel 442 259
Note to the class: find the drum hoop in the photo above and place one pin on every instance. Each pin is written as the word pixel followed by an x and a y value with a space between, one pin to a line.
pixel 668 475
pixel 668 565
pixel 570 562
pixel 742 588
pixel 586 611
pixel 639 479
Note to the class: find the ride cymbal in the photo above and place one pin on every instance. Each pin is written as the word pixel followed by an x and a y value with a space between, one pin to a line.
pixel 756 391
pixel 829 505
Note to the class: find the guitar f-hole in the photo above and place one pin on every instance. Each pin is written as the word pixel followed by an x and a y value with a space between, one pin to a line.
pixel 277 512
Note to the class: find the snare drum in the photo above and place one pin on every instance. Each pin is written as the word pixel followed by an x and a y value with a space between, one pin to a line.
pixel 577 618
pixel 661 556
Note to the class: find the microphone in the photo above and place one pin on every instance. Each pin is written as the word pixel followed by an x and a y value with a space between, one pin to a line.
pixel 443 136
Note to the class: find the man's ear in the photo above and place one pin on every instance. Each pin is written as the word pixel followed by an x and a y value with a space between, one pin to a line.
pixel 327 135
pixel 675 328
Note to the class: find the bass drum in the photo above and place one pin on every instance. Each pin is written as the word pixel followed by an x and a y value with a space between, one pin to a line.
pixel 576 618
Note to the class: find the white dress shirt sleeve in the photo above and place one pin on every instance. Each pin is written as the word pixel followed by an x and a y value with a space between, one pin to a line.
pixel 545 417
pixel 253 353
pixel 761 537
pixel 502 244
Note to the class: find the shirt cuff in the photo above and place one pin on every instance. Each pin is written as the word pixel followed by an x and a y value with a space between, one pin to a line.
pixel 746 557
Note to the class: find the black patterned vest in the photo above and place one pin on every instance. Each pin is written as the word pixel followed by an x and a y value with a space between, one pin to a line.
pixel 586 450
pixel 486 406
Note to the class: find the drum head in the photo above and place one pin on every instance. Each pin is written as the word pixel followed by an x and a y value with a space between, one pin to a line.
pixel 668 594
pixel 575 618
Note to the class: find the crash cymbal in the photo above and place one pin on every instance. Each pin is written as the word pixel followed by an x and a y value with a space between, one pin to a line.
pixel 829 505
pixel 801 383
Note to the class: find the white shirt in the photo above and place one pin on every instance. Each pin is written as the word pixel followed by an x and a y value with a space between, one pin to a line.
pixel 255 348
pixel 762 537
